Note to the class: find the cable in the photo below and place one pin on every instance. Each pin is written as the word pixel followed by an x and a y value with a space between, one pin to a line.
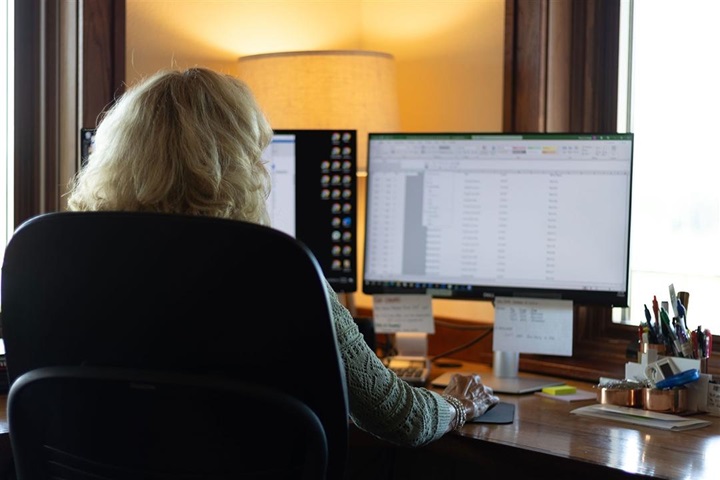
pixel 463 326
pixel 463 347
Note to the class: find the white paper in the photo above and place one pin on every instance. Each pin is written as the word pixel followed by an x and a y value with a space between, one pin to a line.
pixel 638 416
pixel 533 325
pixel 403 313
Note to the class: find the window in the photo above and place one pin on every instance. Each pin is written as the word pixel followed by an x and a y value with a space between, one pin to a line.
pixel 6 122
pixel 673 100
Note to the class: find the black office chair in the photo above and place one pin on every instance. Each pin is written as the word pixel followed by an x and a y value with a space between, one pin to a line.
pixel 78 422
pixel 145 308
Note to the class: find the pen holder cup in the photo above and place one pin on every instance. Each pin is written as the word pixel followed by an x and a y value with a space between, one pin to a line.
pixel 653 350
pixel 672 400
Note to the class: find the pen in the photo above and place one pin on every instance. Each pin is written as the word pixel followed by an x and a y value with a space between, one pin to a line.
pixel 685 299
pixel 708 343
pixel 701 342
pixel 682 314
pixel 647 314
pixel 656 310
pixel 694 340
pixel 675 344
pixel 673 300
pixel 685 344
pixel 655 336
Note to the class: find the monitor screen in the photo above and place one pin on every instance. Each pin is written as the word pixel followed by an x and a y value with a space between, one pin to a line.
pixel 485 215
pixel 314 197
pixel 87 142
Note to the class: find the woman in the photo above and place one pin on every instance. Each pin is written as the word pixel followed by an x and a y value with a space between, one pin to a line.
pixel 191 142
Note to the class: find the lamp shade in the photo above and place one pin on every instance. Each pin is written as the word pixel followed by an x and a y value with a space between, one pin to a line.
pixel 330 89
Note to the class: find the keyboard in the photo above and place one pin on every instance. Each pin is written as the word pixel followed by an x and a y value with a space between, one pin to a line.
pixel 414 370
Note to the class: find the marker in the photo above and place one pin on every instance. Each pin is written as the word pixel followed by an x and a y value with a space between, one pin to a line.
pixel 647 313
pixel 668 326
pixel 655 334
pixel 656 310
pixel 682 314
pixel 673 300
pixel 685 299
pixel 685 344
pixel 708 343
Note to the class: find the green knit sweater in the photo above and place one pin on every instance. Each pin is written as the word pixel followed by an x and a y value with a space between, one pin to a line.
pixel 381 403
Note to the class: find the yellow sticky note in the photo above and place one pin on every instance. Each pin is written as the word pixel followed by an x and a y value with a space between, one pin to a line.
pixel 559 390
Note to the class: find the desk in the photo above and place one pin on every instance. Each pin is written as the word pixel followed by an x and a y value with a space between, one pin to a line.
pixel 546 441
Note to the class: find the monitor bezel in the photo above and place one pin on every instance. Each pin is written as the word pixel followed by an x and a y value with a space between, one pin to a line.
pixel 343 282
pixel 490 292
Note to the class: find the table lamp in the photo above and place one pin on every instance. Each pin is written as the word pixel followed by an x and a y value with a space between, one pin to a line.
pixel 326 89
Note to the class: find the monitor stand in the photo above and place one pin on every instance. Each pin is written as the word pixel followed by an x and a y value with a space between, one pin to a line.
pixel 506 364
pixel 411 344
pixel 506 377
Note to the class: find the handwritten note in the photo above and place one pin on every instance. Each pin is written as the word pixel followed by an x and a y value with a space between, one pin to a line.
pixel 533 325
pixel 403 313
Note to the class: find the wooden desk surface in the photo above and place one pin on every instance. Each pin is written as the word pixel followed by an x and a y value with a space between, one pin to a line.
pixel 545 435
pixel 6 460
pixel 3 415
pixel 547 427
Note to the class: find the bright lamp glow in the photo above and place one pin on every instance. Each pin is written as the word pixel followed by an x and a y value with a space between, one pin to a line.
pixel 343 89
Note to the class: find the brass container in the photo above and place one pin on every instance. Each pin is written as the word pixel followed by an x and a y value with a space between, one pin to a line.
pixel 673 400
pixel 624 397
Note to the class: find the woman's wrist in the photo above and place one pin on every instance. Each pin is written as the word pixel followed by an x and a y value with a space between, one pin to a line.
pixel 460 415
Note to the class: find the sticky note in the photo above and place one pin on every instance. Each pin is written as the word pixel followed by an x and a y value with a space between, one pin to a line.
pixel 559 390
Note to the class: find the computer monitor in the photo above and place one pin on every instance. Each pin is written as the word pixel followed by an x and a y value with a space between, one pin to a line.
pixel 485 215
pixel 475 216
pixel 314 197
pixel 87 143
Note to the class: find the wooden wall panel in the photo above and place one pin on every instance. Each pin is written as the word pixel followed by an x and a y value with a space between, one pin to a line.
pixel 561 68
pixel 103 56
pixel 47 36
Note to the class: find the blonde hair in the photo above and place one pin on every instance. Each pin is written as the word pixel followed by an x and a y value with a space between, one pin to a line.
pixel 187 142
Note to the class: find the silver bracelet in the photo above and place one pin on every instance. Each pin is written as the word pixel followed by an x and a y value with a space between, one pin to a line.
pixel 460 415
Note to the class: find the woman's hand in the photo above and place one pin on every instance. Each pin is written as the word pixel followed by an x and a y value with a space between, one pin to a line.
pixel 470 391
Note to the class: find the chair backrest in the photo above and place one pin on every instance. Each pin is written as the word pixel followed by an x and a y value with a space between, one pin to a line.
pixel 77 423
pixel 173 293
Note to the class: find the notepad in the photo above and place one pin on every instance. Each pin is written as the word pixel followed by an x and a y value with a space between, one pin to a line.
pixel 578 396
pixel 636 416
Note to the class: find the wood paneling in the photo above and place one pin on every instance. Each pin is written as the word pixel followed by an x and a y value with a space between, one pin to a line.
pixel 103 56
pixel 46 43
pixel 561 75
pixel 561 65
pixel 36 107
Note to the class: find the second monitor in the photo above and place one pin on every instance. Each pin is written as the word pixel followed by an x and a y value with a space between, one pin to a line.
pixel 314 196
